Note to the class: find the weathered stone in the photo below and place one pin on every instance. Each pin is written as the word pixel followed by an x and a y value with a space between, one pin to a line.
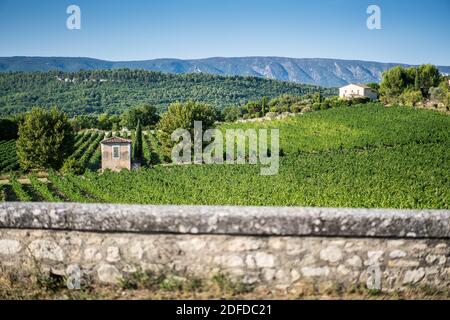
pixel 46 249
pixel 136 252
pixel 354 261
pixel 264 260
pixel 192 244
pixel 395 254
pixel 108 274
pixel 9 247
pixel 435 259
pixel 244 244
pixel 315 272
pixel 268 274
pixel 343 270
pixel 413 276
pixel 112 254
pixel 231 260
pixel 276 243
pixel 375 257
pixel 92 254
pixel 331 254
pixel 403 263
pixel 295 275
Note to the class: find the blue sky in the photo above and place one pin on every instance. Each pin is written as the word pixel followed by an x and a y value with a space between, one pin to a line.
pixel 412 31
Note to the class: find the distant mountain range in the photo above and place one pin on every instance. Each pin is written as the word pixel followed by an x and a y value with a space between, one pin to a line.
pixel 318 71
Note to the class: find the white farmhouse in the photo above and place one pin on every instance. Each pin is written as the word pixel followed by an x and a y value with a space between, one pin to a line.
pixel 357 90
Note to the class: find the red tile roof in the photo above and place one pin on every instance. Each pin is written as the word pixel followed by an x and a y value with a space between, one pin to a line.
pixel 116 140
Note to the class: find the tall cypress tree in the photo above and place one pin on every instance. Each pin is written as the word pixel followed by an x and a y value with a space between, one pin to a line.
pixel 137 147
pixel 417 80
pixel 264 106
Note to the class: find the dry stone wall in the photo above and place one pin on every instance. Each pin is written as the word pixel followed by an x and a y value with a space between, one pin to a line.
pixel 283 248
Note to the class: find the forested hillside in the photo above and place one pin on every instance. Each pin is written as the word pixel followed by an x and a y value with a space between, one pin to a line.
pixel 113 91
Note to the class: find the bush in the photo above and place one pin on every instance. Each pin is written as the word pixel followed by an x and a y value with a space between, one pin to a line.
pixel 324 106
pixel 411 97
pixel 230 114
pixel 296 108
pixel 360 100
pixel 316 106
pixel 72 166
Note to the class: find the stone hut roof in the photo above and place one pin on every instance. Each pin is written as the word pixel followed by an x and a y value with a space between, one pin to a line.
pixel 115 140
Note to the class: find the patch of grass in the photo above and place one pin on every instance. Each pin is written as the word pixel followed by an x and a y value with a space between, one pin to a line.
pixel 159 281
pixel 227 285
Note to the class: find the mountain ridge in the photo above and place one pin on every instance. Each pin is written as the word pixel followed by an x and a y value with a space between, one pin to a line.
pixel 327 72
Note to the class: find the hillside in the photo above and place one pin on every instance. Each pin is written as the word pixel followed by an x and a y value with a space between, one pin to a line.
pixel 323 72
pixel 113 91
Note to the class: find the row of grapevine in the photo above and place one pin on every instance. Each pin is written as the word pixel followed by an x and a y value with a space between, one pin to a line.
pixel 81 138
pixel 43 189
pixel 85 158
pixel 70 191
pixel 19 190
pixel 81 149
pixel 94 161
pixel 8 156
pixel 157 154
pixel 149 152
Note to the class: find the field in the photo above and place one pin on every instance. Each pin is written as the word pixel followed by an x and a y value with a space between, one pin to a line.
pixel 361 156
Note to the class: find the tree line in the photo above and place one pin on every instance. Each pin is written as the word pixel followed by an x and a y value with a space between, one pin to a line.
pixel 113 91
pixel 414 85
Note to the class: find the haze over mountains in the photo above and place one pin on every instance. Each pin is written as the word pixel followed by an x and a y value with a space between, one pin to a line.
pixel 319 71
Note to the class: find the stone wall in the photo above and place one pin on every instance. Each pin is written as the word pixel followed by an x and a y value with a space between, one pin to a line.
pixel 283 248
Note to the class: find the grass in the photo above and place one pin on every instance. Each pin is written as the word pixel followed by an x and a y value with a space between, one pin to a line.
pixel 147 285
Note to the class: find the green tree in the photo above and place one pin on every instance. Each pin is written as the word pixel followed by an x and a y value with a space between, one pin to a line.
pixel 45 140
pixel 318 97
pixel 392 84
pixel 231 113
pixel 137 145
pixel 182 116
pixel 429 77
pixel 417 80
pixel 104 122
pixel 147 115
pixel 264 105
pixel 375 86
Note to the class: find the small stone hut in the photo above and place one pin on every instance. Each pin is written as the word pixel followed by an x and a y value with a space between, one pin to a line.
pixel 116 154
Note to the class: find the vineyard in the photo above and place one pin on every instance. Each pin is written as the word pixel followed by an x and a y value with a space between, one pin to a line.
pixel 8 157
pixel 365 156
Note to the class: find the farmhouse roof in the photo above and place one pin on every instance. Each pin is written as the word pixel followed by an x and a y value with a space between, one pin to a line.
pixel 115 140
pixel 362 85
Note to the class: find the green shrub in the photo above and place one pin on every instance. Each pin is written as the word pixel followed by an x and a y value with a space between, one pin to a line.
pixel 72 165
